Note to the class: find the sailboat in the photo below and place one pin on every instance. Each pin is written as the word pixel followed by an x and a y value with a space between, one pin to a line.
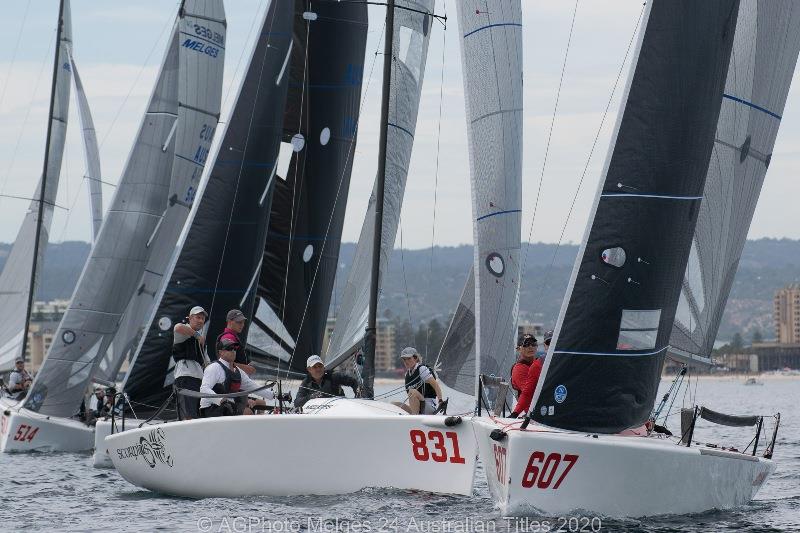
pixel 691 147
pixel 434 453
pixel 155 193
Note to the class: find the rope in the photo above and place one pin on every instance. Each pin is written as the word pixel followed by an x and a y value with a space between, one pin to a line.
pixel 586 166
pixel 14 53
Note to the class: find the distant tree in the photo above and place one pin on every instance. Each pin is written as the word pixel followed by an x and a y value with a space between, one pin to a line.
pixel 435 338
pixel 737 343
pixel 403 335
pixel 757 337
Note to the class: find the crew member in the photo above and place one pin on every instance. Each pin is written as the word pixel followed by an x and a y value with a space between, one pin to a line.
pixel 234 325
pixel 320 383
pixel 97 400
pixel 223 377
pixel 531 380
pixel 19 381
pixel 188 351
pixel 424 392
pixel 526 354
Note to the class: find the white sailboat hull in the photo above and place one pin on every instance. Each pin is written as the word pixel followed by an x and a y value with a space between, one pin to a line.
pixel 554 472
pixel 100 458
pixel 25 431
pixel 341 446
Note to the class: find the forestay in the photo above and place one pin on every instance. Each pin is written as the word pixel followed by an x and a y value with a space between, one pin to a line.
pixel 121 252
pixel 761 68
pixel 91 152
pixel 491 58
pixel 604 365
pixel 301 254
pixel 219 251
pixel 15 280
pixel 200 64
pixel 410 42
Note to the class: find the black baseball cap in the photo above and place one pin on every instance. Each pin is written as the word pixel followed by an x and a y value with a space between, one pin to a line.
pixel 227 344
pixel 548 336
pixel 526 339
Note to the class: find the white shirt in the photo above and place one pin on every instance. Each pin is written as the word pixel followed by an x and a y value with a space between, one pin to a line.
pixel 214 374
pixel 16 378
pixel 424 372
pixel 187 367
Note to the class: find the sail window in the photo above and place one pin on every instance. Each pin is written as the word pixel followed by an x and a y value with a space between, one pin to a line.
pixel 284 159
pixel 298 142
pixel 495 264
pixel 308 253
pixel 68 336
pixel 638 329
pixel 309 15
pixel 614 257
pixel 410 52
pixel 324 136
pixel 164 323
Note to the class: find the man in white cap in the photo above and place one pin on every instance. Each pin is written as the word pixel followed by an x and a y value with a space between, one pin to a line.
pixel 424 392
pixel 19 381
pixel 320 383
pixel 188 351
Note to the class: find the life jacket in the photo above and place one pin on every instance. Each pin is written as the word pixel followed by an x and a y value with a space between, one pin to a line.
pixel 189 350
pixel 327 385
pixel 413 381
pixel 232 383
pixel 24 375
pixel 511 374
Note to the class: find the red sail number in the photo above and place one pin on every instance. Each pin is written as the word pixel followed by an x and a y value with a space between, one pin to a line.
pixel 25 433
pixel 541 470
pixel 433 446
pixel 500 463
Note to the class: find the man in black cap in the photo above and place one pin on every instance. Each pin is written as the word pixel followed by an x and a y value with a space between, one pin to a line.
pixel 526 353
pixel 531 380
pixel 233 328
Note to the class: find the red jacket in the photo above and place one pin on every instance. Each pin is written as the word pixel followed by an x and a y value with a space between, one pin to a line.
pixel 531 379
pixel 519 375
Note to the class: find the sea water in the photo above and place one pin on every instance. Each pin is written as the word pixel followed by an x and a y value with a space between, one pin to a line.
pixel 62 492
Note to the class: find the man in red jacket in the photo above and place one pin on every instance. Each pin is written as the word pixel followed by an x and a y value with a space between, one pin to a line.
pixel 531 380
pixel 526 352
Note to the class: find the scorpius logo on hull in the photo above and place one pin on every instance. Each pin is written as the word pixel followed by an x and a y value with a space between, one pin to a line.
pixel 150 448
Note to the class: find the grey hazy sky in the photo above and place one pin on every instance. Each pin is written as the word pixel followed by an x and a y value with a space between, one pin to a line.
pixel 118 47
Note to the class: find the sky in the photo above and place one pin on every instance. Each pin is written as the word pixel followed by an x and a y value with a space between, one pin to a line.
pixel 118 47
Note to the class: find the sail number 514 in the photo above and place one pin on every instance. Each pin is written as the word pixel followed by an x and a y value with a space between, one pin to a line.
pixel 434 446
pixel 541 471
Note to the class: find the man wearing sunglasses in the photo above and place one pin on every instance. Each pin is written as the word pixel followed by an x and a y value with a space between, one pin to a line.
pixel 534 369
pixel 526 354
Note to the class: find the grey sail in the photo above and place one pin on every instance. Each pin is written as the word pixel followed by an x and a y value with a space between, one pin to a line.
pixel 123 248
pixel 763 61
pixel 201 61
pixel 603 367
pixel 410 43
pixel 91 153
pixel 15 280
pixel 457 361
pixel 491 58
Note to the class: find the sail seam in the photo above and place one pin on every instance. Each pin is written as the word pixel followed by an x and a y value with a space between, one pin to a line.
pixel 659 196
pixel 199 110
pixel 507 211
pixel 401 128
pixel 493 113
pixel 492 26
pixel 626 354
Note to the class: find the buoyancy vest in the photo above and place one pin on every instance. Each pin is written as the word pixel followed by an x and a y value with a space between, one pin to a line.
pixel 232 383
pixel 414 381
pixel 189 350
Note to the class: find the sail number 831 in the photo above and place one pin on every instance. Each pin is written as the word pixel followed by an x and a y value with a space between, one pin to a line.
pixel 433 446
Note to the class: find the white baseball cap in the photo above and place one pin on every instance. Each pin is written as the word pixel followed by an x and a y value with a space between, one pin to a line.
pixel 196 310
pixel 313 360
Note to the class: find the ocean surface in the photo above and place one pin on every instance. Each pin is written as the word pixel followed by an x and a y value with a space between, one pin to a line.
pixel 63 492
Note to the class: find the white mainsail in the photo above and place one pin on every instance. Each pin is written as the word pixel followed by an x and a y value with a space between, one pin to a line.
pixel 148 188
pixel 410 42
pixel 199 101
pixel 91 152
pixel 491 58
pixel 762 64
pixel 15 280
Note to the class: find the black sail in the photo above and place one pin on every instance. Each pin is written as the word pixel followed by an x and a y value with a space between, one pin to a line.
pixel 603 370
pixel 220 257
pixel 302 249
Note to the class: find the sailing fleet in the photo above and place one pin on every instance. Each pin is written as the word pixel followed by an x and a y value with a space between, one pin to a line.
pixel 253 221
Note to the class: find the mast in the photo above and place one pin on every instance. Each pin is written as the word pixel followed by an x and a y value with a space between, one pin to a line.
pixel 370 332
pixel 40 215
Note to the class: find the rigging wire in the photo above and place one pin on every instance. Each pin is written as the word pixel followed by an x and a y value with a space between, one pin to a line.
pixel 436 173
pixel 550 134
pixel 546 277
pixel 14 54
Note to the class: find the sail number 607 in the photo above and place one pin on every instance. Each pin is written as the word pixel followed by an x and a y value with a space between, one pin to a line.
pixel 541 471
pixel 433 446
